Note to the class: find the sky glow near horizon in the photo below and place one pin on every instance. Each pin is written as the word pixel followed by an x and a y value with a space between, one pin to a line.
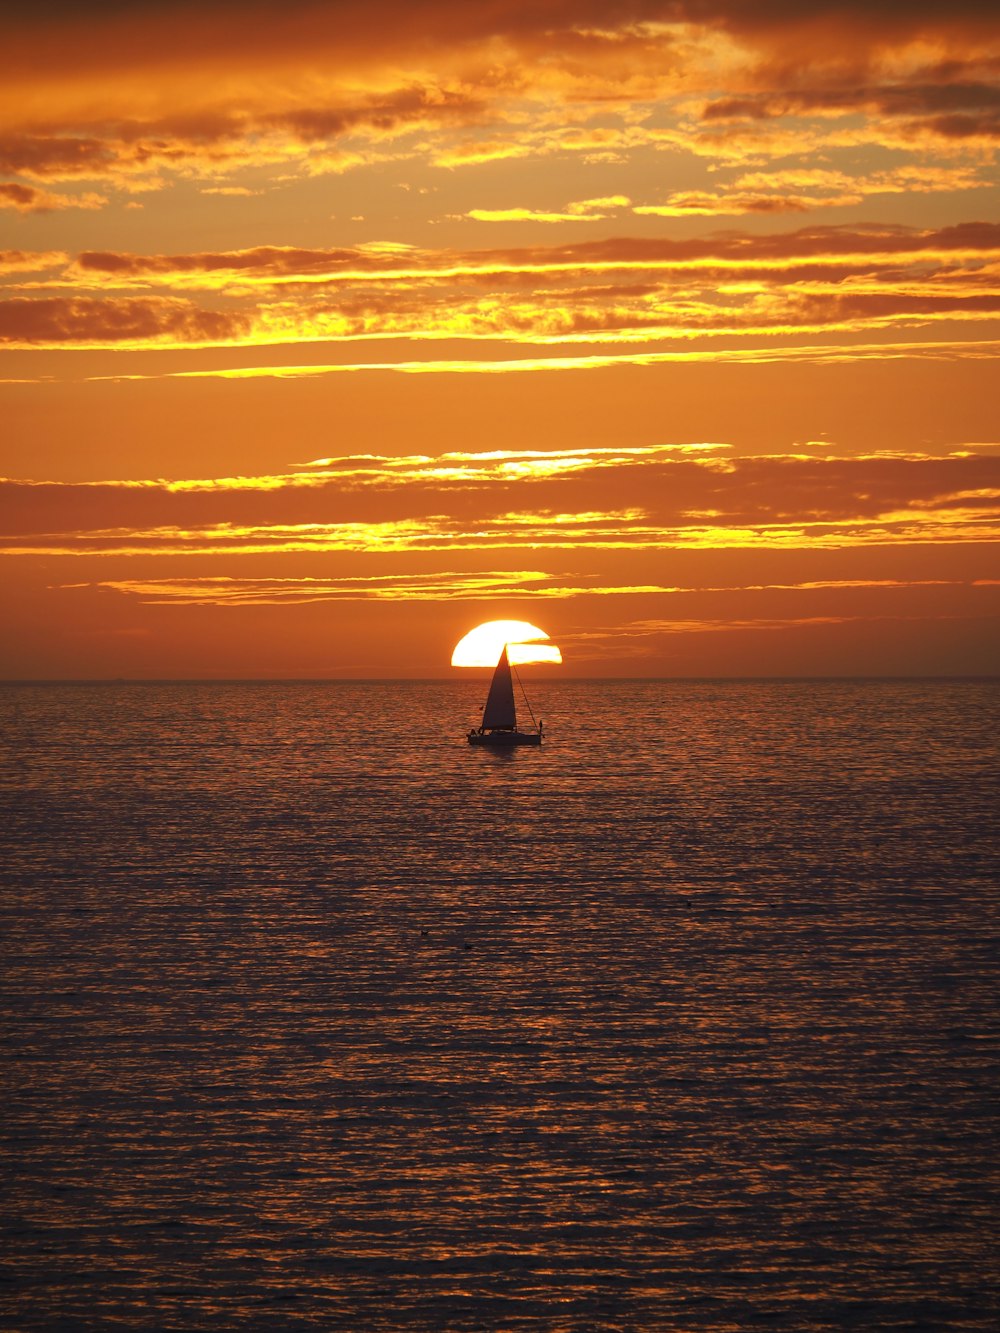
pixel 326 330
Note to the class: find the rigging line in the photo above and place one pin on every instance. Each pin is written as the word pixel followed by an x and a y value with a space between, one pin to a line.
pixel 524 696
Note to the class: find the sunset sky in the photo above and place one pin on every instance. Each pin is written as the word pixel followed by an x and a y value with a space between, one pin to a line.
pixel 330 330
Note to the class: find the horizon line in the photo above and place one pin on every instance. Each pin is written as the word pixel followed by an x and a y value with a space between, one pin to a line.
pixel 441 680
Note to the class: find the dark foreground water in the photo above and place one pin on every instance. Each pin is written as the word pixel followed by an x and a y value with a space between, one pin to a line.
pixel 316 1017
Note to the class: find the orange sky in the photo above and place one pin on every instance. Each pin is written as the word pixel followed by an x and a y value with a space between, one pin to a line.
pixel 328 331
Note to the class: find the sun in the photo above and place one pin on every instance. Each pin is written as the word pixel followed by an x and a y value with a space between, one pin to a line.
pixel 483 645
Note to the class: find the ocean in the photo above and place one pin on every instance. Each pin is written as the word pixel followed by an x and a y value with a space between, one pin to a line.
pixel 316 1017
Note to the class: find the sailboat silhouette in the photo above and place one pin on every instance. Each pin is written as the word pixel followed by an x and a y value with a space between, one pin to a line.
pixel 499 724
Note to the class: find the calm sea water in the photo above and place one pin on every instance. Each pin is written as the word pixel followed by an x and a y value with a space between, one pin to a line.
pixel 316 1017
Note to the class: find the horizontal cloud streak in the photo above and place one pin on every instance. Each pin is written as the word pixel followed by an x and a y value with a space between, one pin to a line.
pixel 666 499
pixel 624 290
pixel 676 610
pixel 822 354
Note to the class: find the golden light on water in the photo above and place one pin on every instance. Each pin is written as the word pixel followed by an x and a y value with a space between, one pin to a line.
pixel 482 646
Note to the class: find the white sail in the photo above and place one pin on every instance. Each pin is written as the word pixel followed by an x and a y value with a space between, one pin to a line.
pixel 499 710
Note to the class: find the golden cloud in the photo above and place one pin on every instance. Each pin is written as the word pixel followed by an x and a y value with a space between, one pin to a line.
pixel 764 607
pixel 668 499
pixel 138 99
pixel 28 199
pixel 814 280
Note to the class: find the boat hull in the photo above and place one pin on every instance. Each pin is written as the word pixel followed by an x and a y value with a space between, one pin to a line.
pixel 504 738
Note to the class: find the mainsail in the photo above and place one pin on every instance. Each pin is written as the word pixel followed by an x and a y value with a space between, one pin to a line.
pixel 499 710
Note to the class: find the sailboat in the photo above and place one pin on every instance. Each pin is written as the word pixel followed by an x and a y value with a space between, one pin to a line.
pixel 499 725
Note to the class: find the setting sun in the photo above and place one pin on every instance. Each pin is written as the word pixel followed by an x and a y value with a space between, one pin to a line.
pixel 482 646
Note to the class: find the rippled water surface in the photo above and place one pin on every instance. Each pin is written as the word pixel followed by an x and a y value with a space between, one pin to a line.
pixel 316 1017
